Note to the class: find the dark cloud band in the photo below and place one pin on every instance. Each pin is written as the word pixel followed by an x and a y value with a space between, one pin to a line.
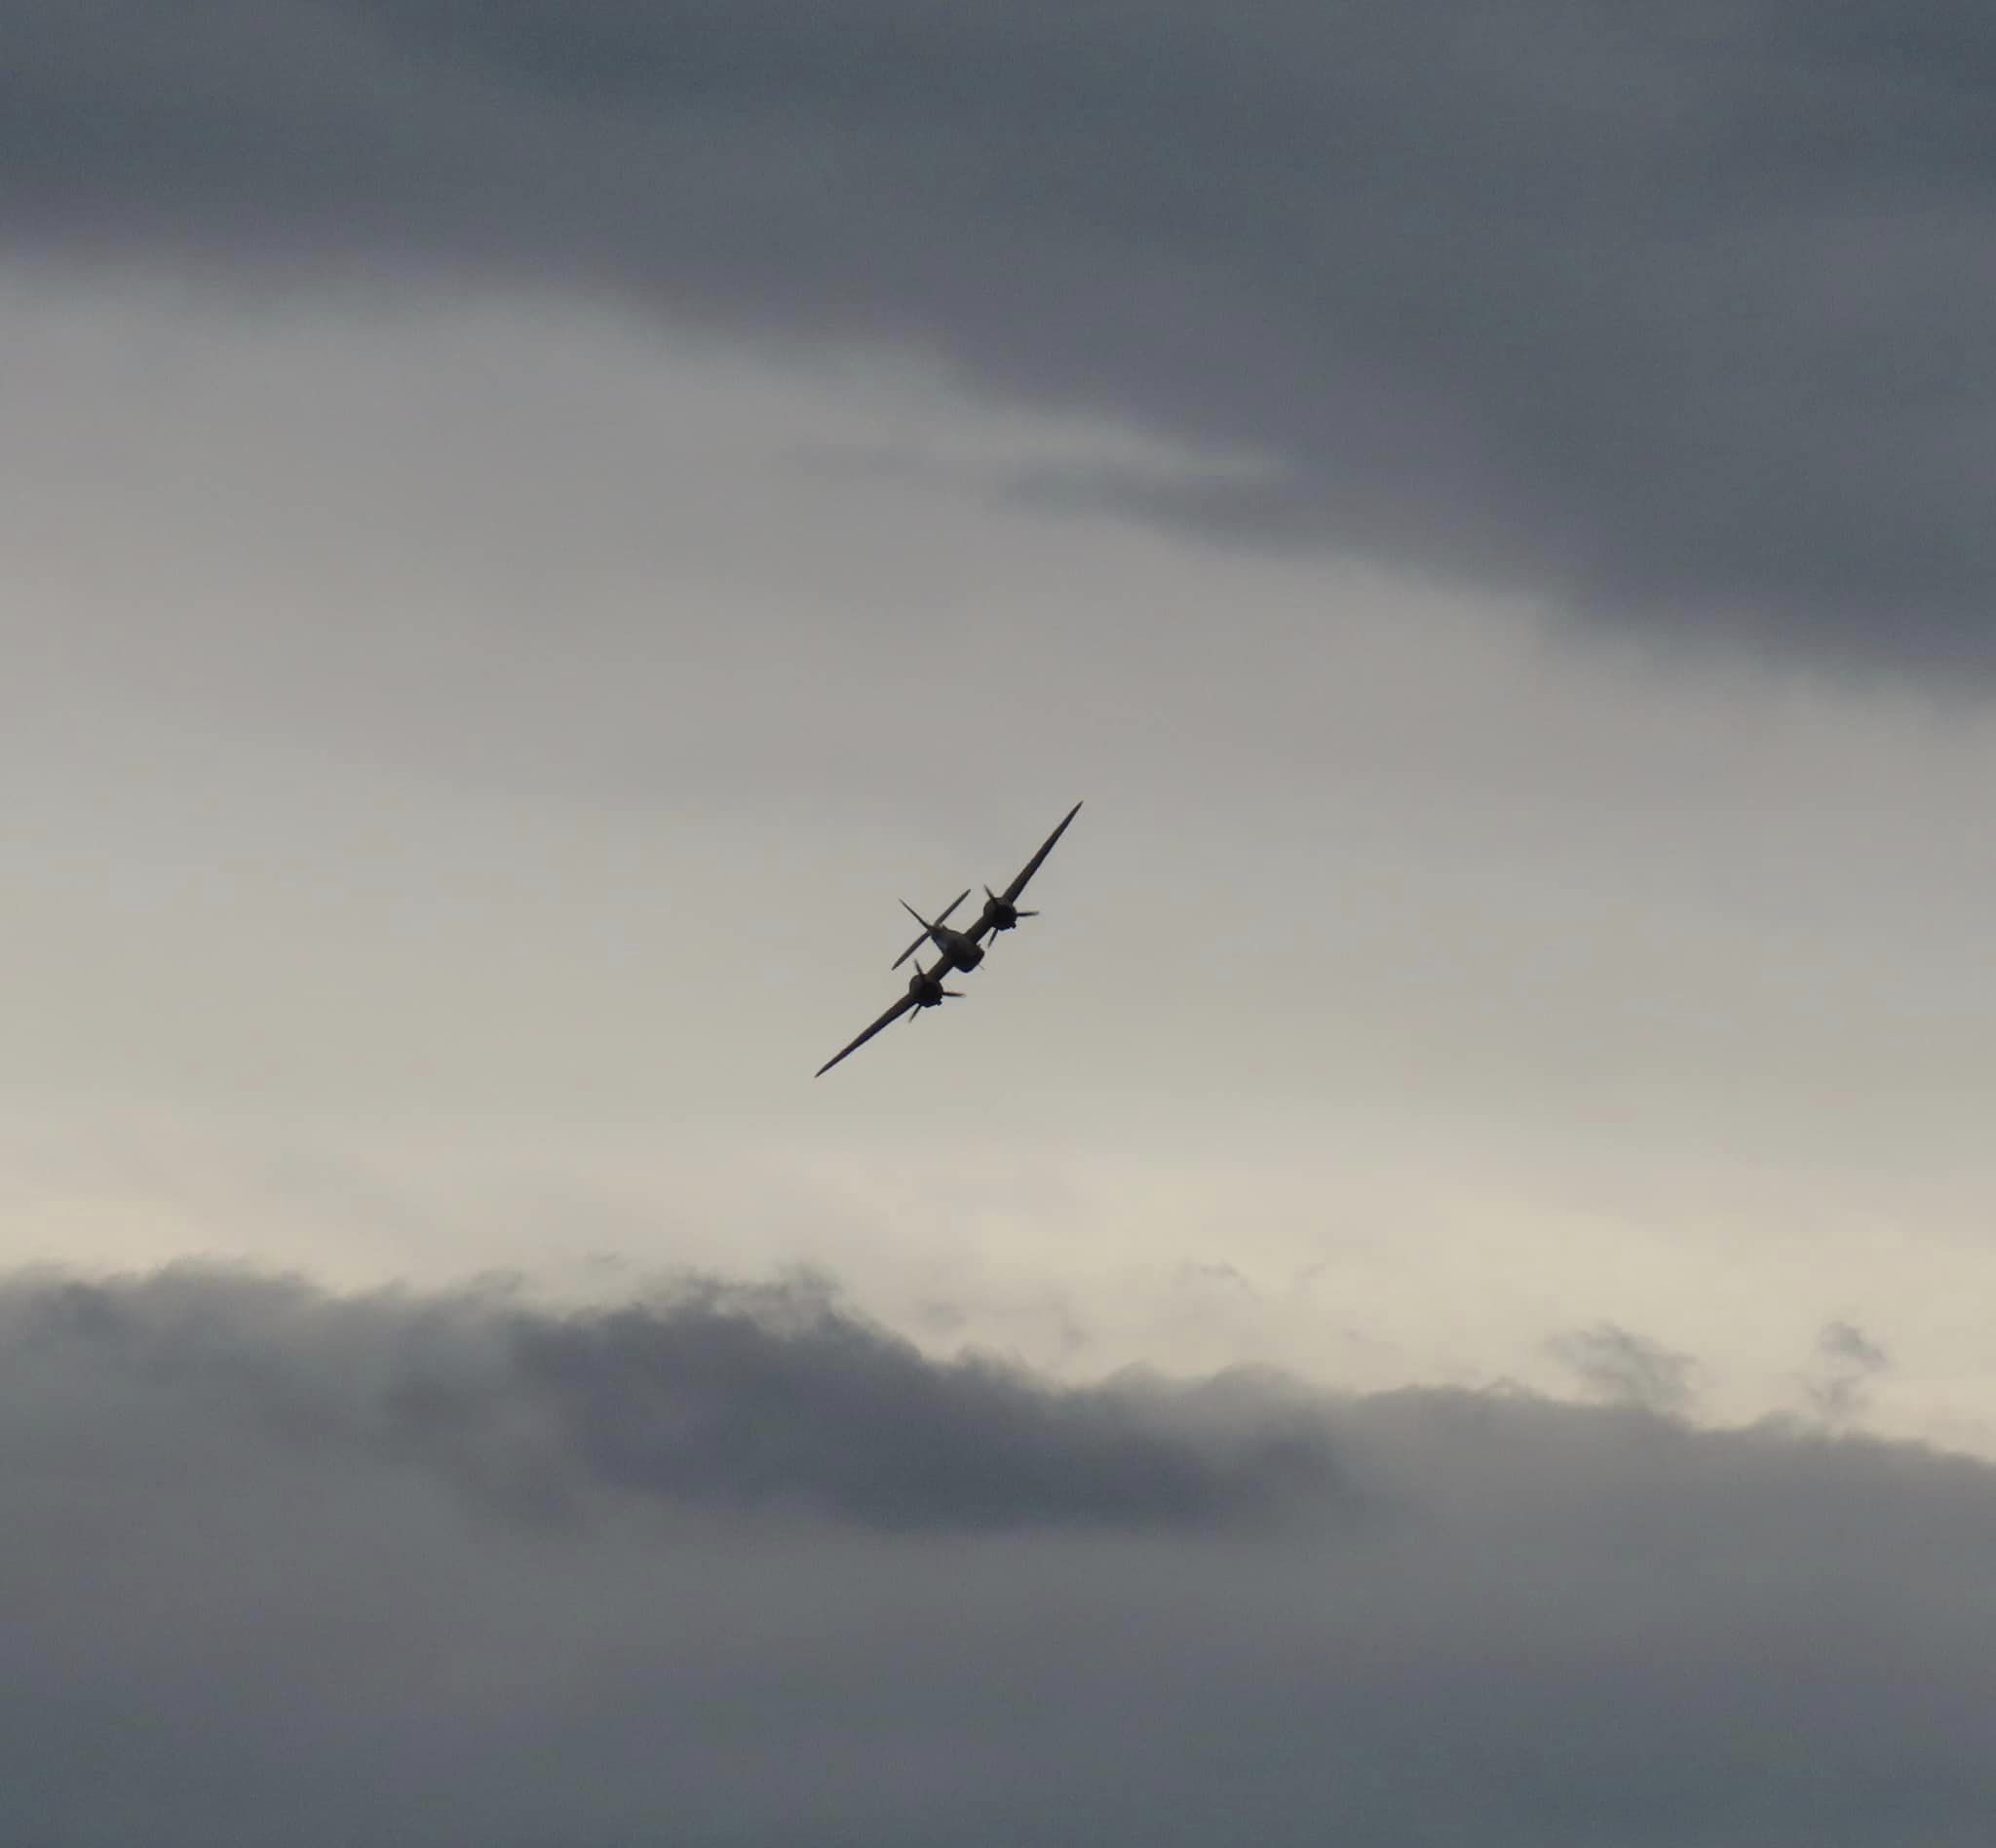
pixel 737 1566
pixel 1674 314
pixel 773 1400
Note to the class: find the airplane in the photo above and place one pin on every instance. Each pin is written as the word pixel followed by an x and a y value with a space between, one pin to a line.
pixel 961 949
pixel 924 990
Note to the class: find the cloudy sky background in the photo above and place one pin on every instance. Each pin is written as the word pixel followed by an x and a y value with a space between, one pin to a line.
pixel 527 528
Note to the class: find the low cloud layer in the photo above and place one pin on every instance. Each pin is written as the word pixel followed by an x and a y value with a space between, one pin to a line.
pixel 726 1400
pixel 1671 314
pixel 738 1568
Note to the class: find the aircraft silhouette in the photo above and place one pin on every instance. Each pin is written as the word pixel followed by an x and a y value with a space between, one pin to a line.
pixel 959 949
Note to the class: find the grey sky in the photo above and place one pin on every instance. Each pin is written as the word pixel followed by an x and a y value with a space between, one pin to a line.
pixel 525 530
pixel 466 754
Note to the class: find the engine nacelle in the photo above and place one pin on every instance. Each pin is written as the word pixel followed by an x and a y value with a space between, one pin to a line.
pixel 926 989
pixel 1001 916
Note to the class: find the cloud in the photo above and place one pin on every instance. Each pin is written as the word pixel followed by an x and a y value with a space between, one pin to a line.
pixel 714 1397
pixel 1847 1361
pixel 1671 315
pixel 276 1564
pixel 1626 1368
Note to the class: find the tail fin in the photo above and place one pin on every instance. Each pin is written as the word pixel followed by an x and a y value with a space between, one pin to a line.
pixel 927 926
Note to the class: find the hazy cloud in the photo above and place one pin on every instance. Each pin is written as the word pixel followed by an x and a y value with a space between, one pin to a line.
pixel 1671 313
pixel 1626 1369
pixel 1209 1276
pixel 247 1594
pixel 1847 1361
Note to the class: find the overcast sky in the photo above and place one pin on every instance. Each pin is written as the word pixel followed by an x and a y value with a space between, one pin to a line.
pixel 527 527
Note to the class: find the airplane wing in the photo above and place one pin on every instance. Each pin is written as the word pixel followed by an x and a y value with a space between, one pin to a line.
pixel 1032 866
pixel 888 1019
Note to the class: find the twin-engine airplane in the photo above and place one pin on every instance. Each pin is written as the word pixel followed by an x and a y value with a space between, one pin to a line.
pixel 959 949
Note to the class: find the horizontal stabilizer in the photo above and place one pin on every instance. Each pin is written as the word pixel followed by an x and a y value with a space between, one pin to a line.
pixel 927 928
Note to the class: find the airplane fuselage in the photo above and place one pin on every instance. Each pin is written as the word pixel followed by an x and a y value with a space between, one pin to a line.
pixel 958 949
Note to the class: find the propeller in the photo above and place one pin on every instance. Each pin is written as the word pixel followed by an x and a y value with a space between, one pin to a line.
pixel 948 995
pixel 1017 913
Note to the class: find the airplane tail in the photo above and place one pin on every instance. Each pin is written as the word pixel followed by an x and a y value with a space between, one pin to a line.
pixel 927 926
pixel 928 929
